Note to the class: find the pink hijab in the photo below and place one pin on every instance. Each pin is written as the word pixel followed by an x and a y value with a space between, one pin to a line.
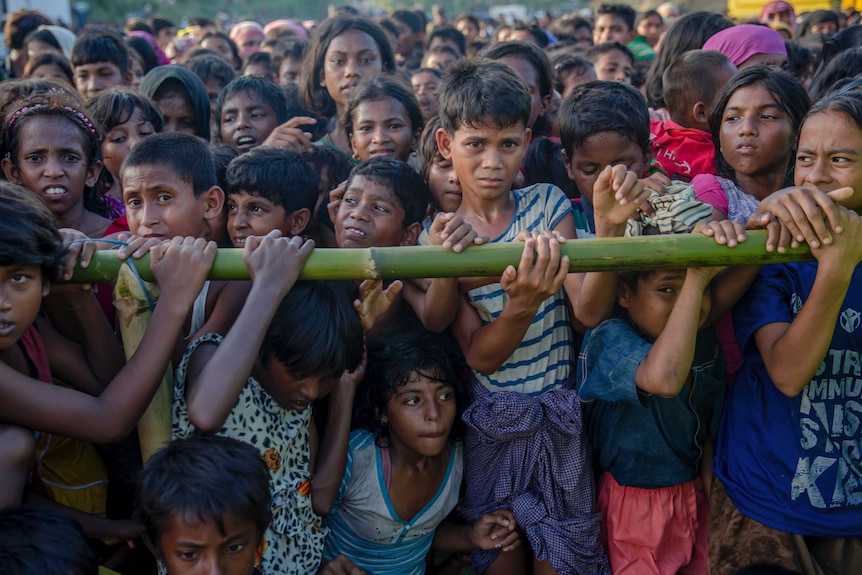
pixel 740 43
pixel 245 29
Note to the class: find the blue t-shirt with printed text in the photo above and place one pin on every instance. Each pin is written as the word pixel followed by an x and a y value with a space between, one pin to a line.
pixel 794 463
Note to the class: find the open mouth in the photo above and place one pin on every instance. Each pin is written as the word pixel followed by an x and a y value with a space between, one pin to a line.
pixel 54 191
pixel 246 141
pixel 355 232
pixel 6 327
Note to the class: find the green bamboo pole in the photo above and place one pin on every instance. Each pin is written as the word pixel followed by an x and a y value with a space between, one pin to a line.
pixel 614 254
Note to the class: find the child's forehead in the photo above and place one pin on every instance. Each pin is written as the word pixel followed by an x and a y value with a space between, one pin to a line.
pixel 487 126
pixel 152 175
pixel 374 187
pixel 246 98
pixel 611 20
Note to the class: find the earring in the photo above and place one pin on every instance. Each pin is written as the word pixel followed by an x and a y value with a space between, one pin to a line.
pixel 355 156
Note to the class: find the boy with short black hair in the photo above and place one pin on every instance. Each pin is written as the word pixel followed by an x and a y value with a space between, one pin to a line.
pixel 516 334
pixel 208 496
pixel 616 22
pixel 683 145
pixel 448 36
pixel 259 64
pixel 100 60
pixel 248 109
pixel 269 189
pixel 612 61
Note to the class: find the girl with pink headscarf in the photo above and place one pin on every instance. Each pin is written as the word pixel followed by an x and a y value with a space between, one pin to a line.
pixel 749 45
pixel 248 36
pixel 779 11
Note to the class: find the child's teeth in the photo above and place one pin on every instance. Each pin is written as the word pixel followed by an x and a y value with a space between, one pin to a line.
pixel 54 191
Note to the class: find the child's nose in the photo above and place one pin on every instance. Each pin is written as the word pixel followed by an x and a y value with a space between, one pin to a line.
pixel 432 411
pixel 53 167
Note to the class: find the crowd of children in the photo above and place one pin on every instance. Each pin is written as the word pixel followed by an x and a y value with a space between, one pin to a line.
pixel 696 420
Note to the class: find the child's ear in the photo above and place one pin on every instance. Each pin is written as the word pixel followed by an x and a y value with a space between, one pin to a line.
pixel 94 170
pixel 567 162
pixel 297 221
pixel 411 234
pixel 528 136
pixel 698 112
pixel 46 287
pixel 623 293
pixel 444 143
pixel 13 174
pixel 213 199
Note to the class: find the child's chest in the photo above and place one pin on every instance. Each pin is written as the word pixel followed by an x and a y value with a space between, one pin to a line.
pixel 411 491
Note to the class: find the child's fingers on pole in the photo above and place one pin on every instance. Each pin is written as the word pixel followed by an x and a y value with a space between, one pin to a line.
pixel 830 206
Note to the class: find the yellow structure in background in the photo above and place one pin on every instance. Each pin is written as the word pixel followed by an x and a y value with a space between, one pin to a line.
pixel 751 8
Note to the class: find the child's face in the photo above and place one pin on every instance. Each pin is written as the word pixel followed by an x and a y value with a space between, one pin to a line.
pixel 261 69
pixel 573 80
pixel 612 27
pixel 289 71
pixel 52 162
pixel 213 90
pixel 420 415
pixel 425 86
pixel 486 158
pixel 161 205
pixel 528 73
pixel 252 215
pixel 246 121
pixel 371 215
pixel 756 134
pixel 194 547
pixel 649 308
pixel 614 65
pixel 381 128
pixel 21 291
pixel 598 151
pixel 440 60
pixel 120 140
pixel 830 155
pixel 179 113
pixel 50 71
pixel 444 185
pixel 90 79
pixel 221 46
pixel 351 56
pixel 651 29
pixel 291 392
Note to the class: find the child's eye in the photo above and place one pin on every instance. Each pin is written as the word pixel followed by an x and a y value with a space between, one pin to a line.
pixel 667 290
pixel 188 555
pixel 33 158
pixel 382 209
pixel 336 62
pixel 164 197
pixel 227 119
pixel 231 208
pixel 235 548
pixel 802 159
pixel 350 200
pixel 589 172
pixel 119 139
pixel 71 158
pixel 731 118
pixel 366 61
pixel 446 396
pixel 840 160
pixel 133 203
pixel 20 278
pixel 411 401
pixel 145 133
pixel 256 210
pixel 396 126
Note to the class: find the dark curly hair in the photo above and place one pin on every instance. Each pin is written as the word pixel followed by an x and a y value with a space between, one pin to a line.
pixel 393 361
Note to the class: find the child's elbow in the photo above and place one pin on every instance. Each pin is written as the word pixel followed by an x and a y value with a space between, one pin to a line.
pixel 321 508
pixel 204 422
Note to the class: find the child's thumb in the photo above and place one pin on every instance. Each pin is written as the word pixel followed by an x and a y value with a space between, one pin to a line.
pixel 841 194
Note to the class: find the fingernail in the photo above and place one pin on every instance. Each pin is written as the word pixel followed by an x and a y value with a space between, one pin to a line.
pixel 827 241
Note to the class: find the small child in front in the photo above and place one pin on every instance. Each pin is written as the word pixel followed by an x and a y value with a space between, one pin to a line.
pixel 653 385
pixel 204 503
pixel 525 448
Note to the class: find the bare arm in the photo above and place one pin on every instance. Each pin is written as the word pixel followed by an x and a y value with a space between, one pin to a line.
pixel 667 366
pixel 216 375
pixel 487 347
pixel 617 193
pixel 332 454
pixel 180 267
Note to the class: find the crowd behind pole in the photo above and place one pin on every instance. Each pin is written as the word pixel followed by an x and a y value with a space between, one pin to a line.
pixel 693 420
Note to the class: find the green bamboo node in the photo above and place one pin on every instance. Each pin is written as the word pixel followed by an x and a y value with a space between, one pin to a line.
pixel 612 254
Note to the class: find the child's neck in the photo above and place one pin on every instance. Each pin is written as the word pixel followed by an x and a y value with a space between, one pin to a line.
pixel 402 458
pixel 337 135
pixel 487 215
pixel 79 218
pixel 762 185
